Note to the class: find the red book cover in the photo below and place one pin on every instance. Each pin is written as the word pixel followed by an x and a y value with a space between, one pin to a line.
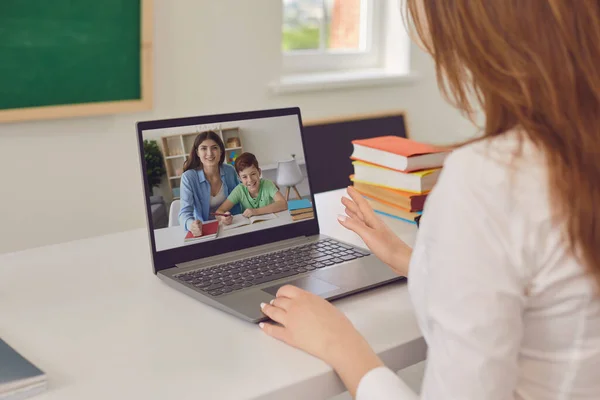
pixel 208 229
pixel 399 145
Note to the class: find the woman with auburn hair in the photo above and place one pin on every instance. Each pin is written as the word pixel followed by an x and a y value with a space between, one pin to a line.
pixel 505 271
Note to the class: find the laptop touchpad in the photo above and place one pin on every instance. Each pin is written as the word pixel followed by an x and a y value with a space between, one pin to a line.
pixel 313 285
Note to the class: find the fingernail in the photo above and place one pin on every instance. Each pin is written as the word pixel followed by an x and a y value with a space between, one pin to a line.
pixel 341 218
pixel 272 301
pixel 261 325
pixel 262 305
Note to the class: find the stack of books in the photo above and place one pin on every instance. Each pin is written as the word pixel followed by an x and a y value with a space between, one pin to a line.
pixel 300 209
pixel 395 174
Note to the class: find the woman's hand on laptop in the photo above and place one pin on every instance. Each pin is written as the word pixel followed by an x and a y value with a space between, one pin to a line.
pixel 379 238
pixel 196 228
pixel 310 323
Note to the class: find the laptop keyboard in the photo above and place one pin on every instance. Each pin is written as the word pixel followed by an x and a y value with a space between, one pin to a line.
pixel 237 275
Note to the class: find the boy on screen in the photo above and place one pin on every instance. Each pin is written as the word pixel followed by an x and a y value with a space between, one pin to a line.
pixel 256 196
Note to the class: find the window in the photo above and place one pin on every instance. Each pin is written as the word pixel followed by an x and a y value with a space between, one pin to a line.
pixel 329 35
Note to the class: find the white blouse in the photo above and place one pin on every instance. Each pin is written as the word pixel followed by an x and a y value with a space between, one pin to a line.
pixel 506 311
pixel 216 201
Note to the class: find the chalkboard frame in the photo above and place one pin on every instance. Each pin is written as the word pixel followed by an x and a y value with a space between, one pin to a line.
pixel 106 107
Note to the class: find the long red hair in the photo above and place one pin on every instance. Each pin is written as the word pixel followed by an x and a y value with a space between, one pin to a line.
pixel 533 65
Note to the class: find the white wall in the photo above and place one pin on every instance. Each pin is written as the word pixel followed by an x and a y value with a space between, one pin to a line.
pixel 269 139
pixel 75 178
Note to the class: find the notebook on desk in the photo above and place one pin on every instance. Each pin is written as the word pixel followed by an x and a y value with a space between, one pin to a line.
pixel 209 231
pixel 19 378
pixel 300 204
pixel 241 268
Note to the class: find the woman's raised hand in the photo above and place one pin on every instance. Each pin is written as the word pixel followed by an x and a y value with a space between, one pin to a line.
pixel 379 238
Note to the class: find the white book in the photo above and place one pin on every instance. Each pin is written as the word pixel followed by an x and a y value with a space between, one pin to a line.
pixel 240 220
pixel 398 153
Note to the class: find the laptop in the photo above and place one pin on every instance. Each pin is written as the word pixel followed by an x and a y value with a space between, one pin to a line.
pixel 235 268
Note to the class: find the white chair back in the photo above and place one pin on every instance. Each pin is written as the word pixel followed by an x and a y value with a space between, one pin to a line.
pixel 174 213
pixel 288 173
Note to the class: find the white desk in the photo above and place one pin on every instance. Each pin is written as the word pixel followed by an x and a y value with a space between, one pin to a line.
pixel 171 237
pixel 92 315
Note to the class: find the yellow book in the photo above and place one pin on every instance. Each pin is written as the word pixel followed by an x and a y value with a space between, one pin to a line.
pixel 301 211
pixel 415 182
pixel 301 216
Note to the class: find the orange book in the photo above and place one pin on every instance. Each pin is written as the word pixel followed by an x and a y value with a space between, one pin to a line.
pixel 391 210
pixel 406 200
pixel 398 153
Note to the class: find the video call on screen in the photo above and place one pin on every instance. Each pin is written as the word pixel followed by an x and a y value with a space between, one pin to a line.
pixel 223 179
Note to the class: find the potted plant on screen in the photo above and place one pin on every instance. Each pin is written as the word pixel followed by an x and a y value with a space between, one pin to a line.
pixel 155 167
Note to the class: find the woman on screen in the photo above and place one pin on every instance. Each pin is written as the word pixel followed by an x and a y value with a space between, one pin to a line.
pixel 206 182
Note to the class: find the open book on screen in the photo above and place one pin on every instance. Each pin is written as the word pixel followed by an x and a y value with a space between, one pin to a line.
pixel 240 220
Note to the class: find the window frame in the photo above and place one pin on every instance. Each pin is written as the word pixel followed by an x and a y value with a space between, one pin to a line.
pixel 370 56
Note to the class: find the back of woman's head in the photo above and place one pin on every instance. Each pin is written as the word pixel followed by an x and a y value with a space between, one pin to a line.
pixel 532 65
pixel 193 161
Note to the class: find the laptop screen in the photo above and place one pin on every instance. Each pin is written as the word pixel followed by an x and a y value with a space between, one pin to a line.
pixel 211 181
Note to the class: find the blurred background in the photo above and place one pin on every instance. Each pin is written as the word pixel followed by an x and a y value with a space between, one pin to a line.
pixel 70 178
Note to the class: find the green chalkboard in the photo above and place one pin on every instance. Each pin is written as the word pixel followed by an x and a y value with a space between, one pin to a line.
pixel 69 52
